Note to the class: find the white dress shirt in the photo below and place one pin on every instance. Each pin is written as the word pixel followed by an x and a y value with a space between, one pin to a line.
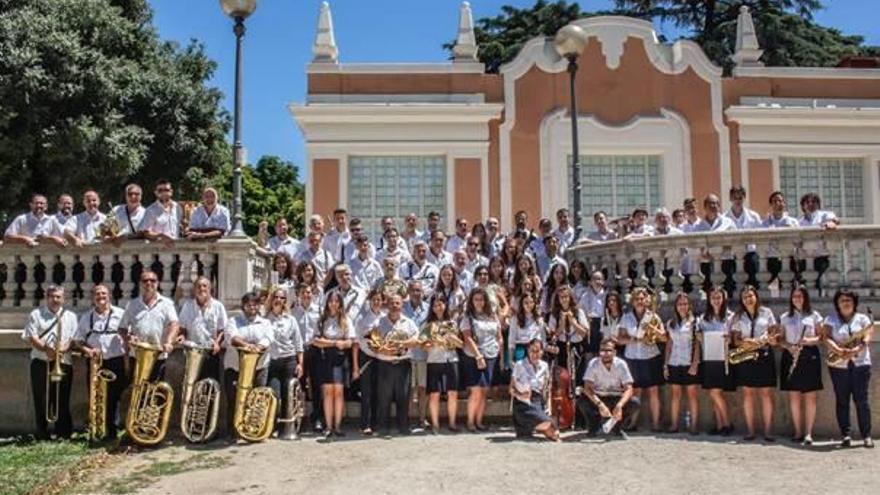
pixel 219 219
pixel 257 331
pixel 608 381
pixel 101 331
pixel 42 324
pixel 203 324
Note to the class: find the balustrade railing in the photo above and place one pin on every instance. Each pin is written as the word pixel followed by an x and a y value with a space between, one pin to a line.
pixel 771 259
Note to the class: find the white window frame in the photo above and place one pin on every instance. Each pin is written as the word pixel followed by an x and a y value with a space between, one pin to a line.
pixel 647 204
pixel 794 202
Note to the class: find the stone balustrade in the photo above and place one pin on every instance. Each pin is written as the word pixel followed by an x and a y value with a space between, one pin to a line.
pixel 683 262
pixel 234 266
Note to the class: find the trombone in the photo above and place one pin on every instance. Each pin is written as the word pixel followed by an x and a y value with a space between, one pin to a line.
pixel 54 376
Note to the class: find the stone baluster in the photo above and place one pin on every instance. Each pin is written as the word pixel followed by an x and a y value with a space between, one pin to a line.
pixel 786 276
pixel 188 273
pixel 855 275
pixel 741 275
pixel 9 285
pixel 873 256
pixel 806 258
pixel 833 277
pixel 167 282
pixel 658 279
pixel 89 261
pixel 30 285
pixel 640 258
pixel 68 261
pixel 763 274
pixel 674 259
pixel 127 260
pixel 716 253
pixel 107 259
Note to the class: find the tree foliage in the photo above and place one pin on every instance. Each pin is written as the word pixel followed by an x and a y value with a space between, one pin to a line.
pixel 90 97
pixel 786 29
pixel 270 190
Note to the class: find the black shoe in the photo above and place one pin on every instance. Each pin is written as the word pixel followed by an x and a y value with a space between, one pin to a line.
pixel 726 431
pixel 591 433
pixel 797 439
pixel 482 428
pixel 319 427
pixel 328 434
pixel 748 438
pixel 339 433
pixel 769 438
pixel 715 431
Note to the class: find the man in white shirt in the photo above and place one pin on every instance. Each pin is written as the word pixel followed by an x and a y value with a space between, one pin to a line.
pixel 41 332
pixel 814 216
pixel 365 270
pixel 35 226
pixel 210 220
pixel 353 298
pixel 564 231
pixel 474 258
pixel 394 367
pixel 437 255
pixel 130 214
pixel 392 247
pixel 608 392
pixel 355 229
pixel 84 227
pixel 464 271
pixel 433 226
pixel 691 217
pixel 602 232
pixel 712 221
pixel 150 319
pixel 536 246
pixel 319 257
pixel 336 239
pixel 778 219
pixel 549 258
pixel 161 221
pixel 203 322
pixel 281 242
pixel 411 233
pixel 494 238
pixel 64 209
pixel 744 219
pixel 420 269
pixel 460 237
pixel 639 225
pixel 386 224
pixel 416 309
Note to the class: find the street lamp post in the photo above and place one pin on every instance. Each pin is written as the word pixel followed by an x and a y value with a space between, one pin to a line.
pixel 239 10
pixel 569 43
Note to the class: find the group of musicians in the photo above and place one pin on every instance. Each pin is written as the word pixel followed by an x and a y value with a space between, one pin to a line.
pixel 417 315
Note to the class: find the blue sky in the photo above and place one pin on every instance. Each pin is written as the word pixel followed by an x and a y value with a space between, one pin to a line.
pixel 280 34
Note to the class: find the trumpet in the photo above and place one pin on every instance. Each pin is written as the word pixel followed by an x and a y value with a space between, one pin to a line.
pixel 201 399
pixel 54 375
pixel 254 406
pixel 150 408
pixel 99 380
pixel 442 334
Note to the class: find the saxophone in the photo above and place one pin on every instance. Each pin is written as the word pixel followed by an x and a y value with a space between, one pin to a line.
pixel 294 412
pixel 150 408
pixel 201 399
pixel 109 228
pixel 750 350
pixel 254 406
pixel 98 380
pixel 853 341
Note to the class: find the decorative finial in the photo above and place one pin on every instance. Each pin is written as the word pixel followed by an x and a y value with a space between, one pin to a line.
pixel 748 50
pixel 324 49
pixel 465 49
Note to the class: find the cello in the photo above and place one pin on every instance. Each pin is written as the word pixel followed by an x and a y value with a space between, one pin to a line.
pixel 562 405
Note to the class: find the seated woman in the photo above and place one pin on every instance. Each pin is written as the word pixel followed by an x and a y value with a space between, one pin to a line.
pixel 608 391
pixel 529 384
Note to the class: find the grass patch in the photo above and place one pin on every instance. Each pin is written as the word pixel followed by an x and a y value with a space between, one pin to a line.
pixel 146 475
pixel 24 465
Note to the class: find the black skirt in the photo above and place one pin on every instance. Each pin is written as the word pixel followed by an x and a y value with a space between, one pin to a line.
pixel 473 376
pixel 526 417
pixel 717 375
pixel 678 375
pixel 757 373
pixel 442 378
pixel 646 372
pixel 330 367
pixel 806 376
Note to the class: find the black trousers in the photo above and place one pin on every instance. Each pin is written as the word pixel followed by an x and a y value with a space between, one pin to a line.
pixel 312 367
pixel 64 426
pixel 394 386
pixel 852 383
pixel 211 366
pixel 230 382
pixel 595 419
pixel 115 390
pixel 283 370
pixel 369 379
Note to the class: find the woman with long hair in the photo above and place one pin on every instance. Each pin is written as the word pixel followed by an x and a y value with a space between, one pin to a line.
pixel 800 372
pixel 363 367
pixel 848 335
pixel 525 270
pixel 334 338
pixel 755 325
pixel 481 331
pixel 643 357
pixel 681 365
pixel 525 326
pixel 610 324
pixel 577 279
pixel 529 385
pixel 478 232
pixel 442 367
pixel 713 335
pixel 307 274
pixel 557 277
pixel 448 287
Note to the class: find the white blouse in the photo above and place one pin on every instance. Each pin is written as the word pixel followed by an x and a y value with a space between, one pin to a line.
pixel 841 332
pixel 485 334
pixel 750 328
pixel 637 349
pixel 714 333
pixel 576 337
pixel 528 377
pixel 799 326
pixel 681 338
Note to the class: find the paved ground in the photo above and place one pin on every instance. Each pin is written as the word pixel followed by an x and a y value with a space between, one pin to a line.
pixel 494 463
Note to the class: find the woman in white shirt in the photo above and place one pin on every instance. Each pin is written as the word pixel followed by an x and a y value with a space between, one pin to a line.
pixel 334 338
pixel 442 376
pixel 282 276
pixel 481 331
pixel 447 286
pixel 800 372
pixel 644 358
pixel 681 366
pixel 525 326
pixel 529 385
pixel 712 332
pixel 610 324
pixel 848 334
pixel 755 324
pixel 286 351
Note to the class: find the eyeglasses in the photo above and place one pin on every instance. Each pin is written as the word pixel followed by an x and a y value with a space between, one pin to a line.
pixel 606 350
pixel 280 299
pixel 473 244
pixel 149 280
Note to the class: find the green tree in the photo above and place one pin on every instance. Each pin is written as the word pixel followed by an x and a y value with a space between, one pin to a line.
pixel 90 97
pixel 270 190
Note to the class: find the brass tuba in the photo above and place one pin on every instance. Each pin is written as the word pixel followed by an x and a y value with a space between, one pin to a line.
pixel 150 408
pixel 254 406
pixel 294 411
pixel 98 379
pixel 201 399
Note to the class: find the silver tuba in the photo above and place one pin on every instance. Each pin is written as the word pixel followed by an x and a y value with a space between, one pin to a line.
pixel 294 411
pixel 201 399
